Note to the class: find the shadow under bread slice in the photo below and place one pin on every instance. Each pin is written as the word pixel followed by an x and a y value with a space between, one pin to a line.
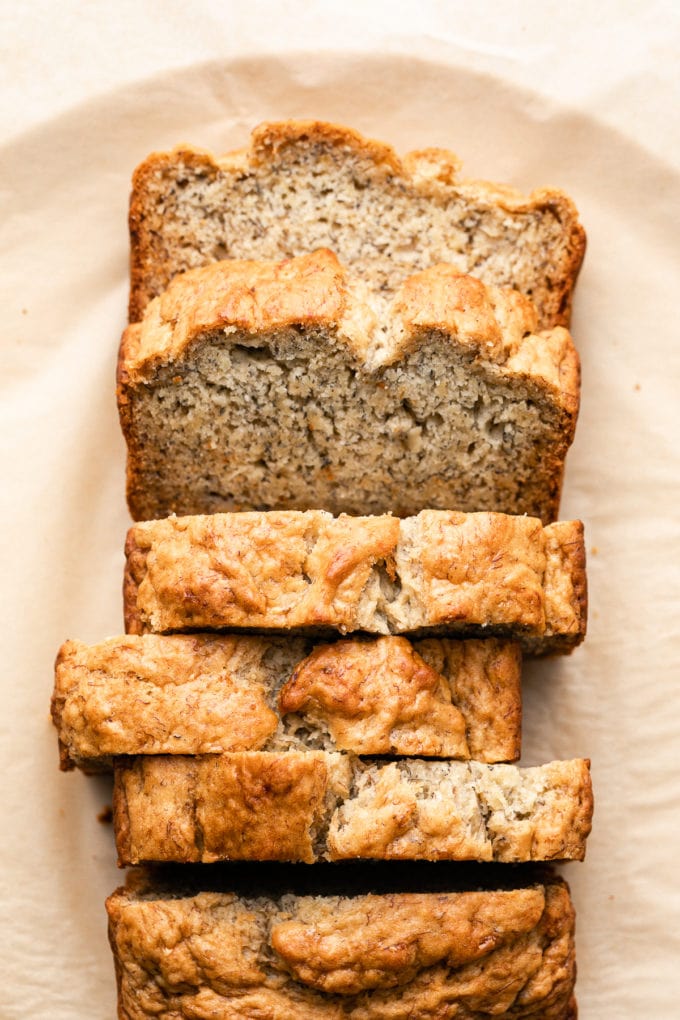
pixel 441 573
pixel 319 805
pixel 201 693
pixel 275 386
pixel 359 945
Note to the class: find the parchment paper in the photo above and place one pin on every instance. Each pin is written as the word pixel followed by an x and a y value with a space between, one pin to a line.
pixel 63 231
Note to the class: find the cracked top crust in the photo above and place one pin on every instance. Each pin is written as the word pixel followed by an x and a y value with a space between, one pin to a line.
pixel 307 184
pixel 443 571
pixel 453 956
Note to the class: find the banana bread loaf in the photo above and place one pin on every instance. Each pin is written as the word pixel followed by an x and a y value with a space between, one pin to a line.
pixel 186 950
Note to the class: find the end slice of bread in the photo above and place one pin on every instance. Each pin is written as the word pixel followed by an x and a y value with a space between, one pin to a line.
pixel 262 386
pixel 470 952
pixel 303 185
pixel 203 694
pixel 447 573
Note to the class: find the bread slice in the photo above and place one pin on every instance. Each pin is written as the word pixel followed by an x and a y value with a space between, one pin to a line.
pixel 201 694
pixel 263 386
pixel 440 572
pixel 190 951
pixel 303 185
pixel 318 805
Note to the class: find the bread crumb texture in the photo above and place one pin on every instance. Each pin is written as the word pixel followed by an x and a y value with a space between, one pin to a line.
pixel 316 805
pixel 202 694
pixel 481 574
pixel 304 185
pixel 435 956
pixel 253 386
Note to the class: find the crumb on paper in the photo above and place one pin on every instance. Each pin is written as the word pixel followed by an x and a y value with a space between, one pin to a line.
pixel 594 550
pixel 105 816
pixel 637 387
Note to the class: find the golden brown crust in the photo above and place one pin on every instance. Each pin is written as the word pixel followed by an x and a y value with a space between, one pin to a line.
pixel 187 694
pixel 382 942
pixel 449 956
pixel 306 806
pixel 426 175
pixel 135 567
pixel 377 697
pixel 484 676
pixel 486 318
pixel 284 570
pixel 461 553
pixel 566 578
pixel 200 694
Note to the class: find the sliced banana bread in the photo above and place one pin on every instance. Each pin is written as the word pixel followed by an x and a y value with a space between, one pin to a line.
pixel 199 694
pixel 303 185
pixel 440 572
pixel 320 805
pixel 263 386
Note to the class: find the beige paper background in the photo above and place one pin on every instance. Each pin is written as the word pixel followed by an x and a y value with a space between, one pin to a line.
pixel 64 190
